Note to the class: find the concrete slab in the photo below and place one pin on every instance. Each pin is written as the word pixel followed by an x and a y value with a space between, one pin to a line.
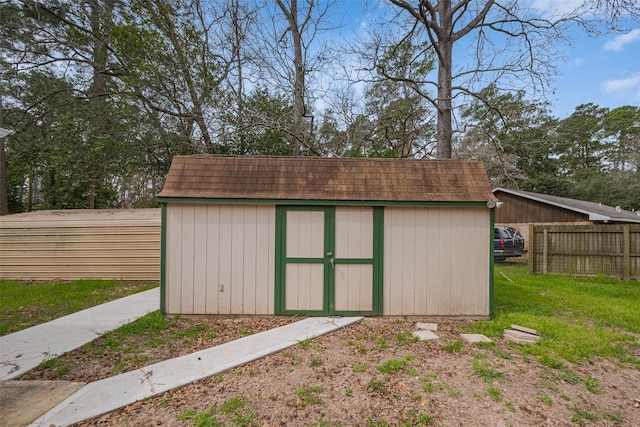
pixel 474 338
pixel 520 337
pixel 425 335
pixel 523 329
pixel 111 393
pixel 23 401
pixel 427 326
pixel 24 350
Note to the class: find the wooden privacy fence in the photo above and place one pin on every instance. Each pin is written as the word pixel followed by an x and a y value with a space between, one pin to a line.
pixel 585 250
pixel 81 244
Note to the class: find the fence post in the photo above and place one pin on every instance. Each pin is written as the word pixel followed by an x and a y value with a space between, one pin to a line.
pixel 626 252
pixel 545 250
pixel 531 248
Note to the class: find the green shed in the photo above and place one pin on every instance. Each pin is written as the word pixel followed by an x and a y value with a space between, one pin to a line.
pixel 326 236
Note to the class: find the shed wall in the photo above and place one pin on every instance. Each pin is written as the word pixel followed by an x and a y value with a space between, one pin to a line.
pixel 518 209
pixel 436 261
pixel 219 259
pixel 81 244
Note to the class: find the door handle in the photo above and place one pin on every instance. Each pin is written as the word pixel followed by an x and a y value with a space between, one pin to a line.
pixel 330 254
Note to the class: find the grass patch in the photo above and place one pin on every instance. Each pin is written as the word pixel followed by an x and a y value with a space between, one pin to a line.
pixel 359 368
pixel 429 385
pixel 593 385
pixel 406 338
pixel 453 347
pixel 309 395
pixel 316 362
pixel 580 415
pixel 378 387
pixel 26 304
pixel 393 366
pixel 146 329
pixel 482 369
pixel 494 393
pixel 580 318
pixel 58 368
pixel 545 399
pixel 232 412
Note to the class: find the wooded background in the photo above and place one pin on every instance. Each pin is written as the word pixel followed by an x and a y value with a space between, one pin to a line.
pixel 101 94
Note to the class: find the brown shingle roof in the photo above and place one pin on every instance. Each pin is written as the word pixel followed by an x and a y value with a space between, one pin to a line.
pixel 320 178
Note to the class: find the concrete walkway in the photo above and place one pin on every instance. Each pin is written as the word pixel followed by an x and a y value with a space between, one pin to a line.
pixel 24 350
pixel 111 393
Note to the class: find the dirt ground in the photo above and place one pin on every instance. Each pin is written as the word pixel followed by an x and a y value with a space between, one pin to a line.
pixel 369 374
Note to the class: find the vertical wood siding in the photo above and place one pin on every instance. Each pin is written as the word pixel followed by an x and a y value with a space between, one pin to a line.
pixel 354 287
pixel 353 240
pixel 354 232
pixel 585 250
pixel 81 244
pixel 304 288
pixel 219 259
pixel 436 261
pixel 305 234
pixel 520 209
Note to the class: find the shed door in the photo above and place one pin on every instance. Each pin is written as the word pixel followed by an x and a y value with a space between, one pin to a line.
pixel 329 260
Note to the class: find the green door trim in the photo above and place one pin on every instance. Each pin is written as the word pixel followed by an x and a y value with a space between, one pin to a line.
pixel 329 247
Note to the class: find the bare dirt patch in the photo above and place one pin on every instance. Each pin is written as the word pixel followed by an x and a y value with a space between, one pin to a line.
pixel 370 374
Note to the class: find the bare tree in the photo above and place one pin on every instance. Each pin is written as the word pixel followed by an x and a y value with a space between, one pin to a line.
pixel 287 53
pixel 507 42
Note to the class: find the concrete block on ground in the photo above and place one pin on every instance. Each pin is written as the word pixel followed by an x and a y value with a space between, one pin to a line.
pixel 520 337
pixel 474 338
pixel 23 401
pixel 427 326
pixel 523 329
pixel 424 335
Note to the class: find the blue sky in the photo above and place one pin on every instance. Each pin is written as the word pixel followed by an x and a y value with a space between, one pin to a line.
pixel 602 69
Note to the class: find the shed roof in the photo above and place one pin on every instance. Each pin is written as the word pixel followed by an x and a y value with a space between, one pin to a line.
pixel 595 211
pixel 320 178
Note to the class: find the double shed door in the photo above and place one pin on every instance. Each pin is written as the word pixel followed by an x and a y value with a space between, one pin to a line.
pixel 329 260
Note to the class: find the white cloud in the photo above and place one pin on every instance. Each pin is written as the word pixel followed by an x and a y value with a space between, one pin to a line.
pixel 630 85
pixel 576 62
pixel 557 7
pixel 620 41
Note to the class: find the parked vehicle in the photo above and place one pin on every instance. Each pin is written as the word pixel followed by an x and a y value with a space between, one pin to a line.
pixel 507 243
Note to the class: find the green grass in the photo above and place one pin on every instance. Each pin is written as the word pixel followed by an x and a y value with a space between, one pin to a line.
pixel 359 368
pixel 429 385
pixel 482 369
pixel 233 412
pixel 454 347
pixel 494 393
pixel 579 317
pixel 393 366
pixel 26 304
pixel 310 395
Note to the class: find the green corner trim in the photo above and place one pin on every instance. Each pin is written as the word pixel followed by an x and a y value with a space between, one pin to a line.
pixel 378 260
pixel 491 260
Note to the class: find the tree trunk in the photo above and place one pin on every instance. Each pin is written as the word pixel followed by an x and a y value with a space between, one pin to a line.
pixel 445 65
pixel 4 190
pixel 100 15
pixel 291 15
pixel 298 88
pixel 238 40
